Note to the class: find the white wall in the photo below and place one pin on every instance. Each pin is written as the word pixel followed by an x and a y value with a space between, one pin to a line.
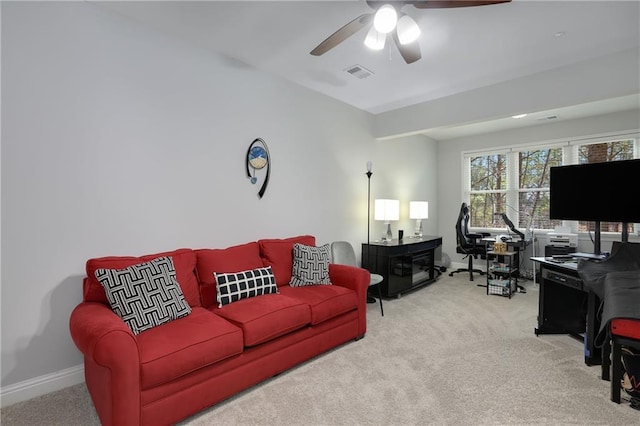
pixel 414 179
pixel 450 165
pixel 118 140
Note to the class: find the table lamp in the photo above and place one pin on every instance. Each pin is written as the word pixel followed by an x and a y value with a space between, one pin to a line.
pixel 418 210
pixel 387 210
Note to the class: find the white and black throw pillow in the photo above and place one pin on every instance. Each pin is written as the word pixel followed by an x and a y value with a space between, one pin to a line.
pixel 310 265
pixel 144 295
pixel 231 287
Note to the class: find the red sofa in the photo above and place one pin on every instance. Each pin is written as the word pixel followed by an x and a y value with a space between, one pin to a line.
pixel 172 371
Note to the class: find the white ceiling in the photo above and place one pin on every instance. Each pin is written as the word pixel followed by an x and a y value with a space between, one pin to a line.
pixel 462 48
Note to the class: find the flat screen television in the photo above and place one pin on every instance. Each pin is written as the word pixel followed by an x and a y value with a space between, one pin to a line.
pixel 605 192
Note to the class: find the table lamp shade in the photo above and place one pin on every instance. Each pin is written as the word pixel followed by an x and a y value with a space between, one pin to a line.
pixel 387 210
pixel 418 210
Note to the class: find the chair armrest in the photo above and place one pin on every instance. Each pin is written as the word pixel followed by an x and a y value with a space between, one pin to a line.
pixel 357 279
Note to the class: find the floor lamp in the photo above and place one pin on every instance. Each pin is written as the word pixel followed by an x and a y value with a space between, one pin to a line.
pixel 369 173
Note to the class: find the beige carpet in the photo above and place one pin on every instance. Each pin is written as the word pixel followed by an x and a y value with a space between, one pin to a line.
pixel 446 354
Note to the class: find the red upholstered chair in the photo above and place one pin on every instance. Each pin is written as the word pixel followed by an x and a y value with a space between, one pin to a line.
pixel 624 332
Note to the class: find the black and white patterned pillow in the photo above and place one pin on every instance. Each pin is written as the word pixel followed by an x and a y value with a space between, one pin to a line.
pixel 144 295
pixel 231 287
pixel 310 265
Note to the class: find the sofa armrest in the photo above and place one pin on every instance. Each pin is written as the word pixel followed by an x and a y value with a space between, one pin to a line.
pixel 93 325
pixel 112 362
pixel 357 279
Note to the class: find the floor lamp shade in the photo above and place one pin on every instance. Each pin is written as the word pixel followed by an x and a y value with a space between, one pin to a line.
pixel 387 210
pixel 418 210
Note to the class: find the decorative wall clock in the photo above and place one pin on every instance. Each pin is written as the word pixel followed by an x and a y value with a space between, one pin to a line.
pixel 258 159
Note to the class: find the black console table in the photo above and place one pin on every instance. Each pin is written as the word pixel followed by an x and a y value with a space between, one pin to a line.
pixel 405 265
pixel 565 306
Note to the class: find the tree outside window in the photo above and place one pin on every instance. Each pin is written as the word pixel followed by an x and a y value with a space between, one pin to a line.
pixel 488 189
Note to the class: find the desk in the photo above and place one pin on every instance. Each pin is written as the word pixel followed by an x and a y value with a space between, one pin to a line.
pixel 404 265
pixel 516 244
pixel 565 306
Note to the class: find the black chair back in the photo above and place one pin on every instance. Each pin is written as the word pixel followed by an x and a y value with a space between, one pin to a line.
pixel 462 228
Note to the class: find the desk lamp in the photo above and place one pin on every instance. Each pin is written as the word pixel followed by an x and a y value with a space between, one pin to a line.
pixel 387 210
pixel 418 210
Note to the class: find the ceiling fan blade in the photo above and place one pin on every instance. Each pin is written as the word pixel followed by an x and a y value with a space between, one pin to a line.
pixel 342 34
pixel 443 4
pixel 410 52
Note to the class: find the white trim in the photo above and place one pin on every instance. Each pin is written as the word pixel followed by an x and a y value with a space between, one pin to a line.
pixel 552 143
pixel 605 137
pixel 41 385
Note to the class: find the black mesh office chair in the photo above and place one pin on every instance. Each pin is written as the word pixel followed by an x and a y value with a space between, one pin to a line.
pixel 469 243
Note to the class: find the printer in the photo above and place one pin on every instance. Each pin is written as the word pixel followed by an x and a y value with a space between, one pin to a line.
pixel 561 239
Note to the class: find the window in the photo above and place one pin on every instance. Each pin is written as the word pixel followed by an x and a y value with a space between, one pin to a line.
pixel 488 188
pixel 515 181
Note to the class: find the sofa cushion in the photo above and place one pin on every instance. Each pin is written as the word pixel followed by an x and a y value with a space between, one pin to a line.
pixel 266 317
pixel 145 295
pixel 234 286
pixel 185 345
pixel 310 265
pixel 232 259
pixel 184 262
pixel 325 301
pixel 278 253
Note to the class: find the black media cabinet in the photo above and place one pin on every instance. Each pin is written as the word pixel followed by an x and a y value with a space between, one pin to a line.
pixel 405 265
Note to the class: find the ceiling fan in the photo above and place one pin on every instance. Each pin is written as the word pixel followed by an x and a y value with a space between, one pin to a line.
pixel 387 18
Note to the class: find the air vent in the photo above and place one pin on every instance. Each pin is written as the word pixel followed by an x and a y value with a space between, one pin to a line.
pixel 359 71
pixel 551 117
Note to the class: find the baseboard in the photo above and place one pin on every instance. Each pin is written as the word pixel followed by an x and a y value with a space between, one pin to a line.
pixel 37 386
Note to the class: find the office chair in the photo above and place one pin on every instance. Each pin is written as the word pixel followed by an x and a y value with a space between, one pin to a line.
pixel 469 243
pixel 342 252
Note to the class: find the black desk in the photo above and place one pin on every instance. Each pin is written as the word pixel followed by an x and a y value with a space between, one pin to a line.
pixel 404 265
pixel 565 306
pixel 515 244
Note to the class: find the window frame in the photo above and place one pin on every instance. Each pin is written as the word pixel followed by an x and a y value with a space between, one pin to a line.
pixel 570 148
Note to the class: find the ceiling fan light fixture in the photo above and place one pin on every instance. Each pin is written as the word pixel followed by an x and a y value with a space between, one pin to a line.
pixel 385 19
pixel 375 40
pixel 408 30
